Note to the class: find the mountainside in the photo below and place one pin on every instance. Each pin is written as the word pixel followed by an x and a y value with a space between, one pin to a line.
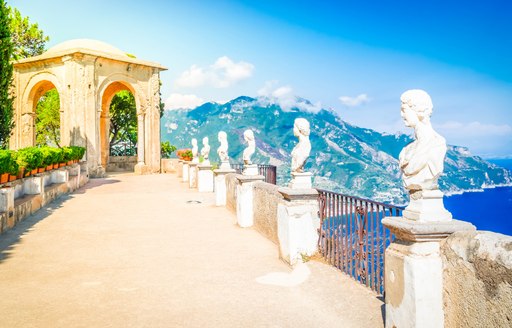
pixel 344 158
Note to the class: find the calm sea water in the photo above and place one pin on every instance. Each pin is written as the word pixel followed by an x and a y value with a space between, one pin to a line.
pixel 488 210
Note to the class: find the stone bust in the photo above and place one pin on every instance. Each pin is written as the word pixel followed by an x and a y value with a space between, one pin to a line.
pixel 195 157
pixel 421 161
pixel 251 147
pixel 205 151
pixel 301 151
pixel 222 151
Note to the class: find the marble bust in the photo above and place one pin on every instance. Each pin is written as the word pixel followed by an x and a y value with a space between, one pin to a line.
pixel 222 151
pixel 195 157
pixel 301 151
pixel 251 147
pixel 422 161
pixel 205 151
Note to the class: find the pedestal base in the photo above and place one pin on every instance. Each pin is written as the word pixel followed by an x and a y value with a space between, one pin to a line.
pixel 205 178
pixel 184 172
pixel 429 208
pixel 300 180
pixel 141 168
pixel 225 165
pixel 192 175
pixel 250 170
pixel 220 185
pixel 244 199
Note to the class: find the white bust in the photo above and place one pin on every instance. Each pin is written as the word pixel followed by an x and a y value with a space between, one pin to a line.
pixel 195 157
pixel 222 151
pixel 301 151
pixel 205 151
pixel 421 161
pixel 251 146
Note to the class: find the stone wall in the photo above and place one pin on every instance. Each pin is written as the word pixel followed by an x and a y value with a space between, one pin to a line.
pixel 477 279
pixel 266 199
pixel 121 163
pixel 231 183
pixel 169 165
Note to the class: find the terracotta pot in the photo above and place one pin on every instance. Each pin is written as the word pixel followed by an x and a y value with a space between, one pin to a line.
pixel 4 178
pixel 21 173
pixel 12 177
pixel 49 167
pixel 62 164
pixel 56 166
pixel 40 170
pixel 34 171
pixel 28 173
pixel 188 159
pixel 70 162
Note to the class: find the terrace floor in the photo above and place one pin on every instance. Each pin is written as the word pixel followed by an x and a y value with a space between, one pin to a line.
pixel 130 251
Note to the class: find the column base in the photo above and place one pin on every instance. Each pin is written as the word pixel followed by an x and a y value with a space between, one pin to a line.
pixel 428 208
pixel 301 180
pixel 250 170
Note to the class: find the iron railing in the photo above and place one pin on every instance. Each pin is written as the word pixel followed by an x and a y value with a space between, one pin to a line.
pixel 352 237
pixel 268 171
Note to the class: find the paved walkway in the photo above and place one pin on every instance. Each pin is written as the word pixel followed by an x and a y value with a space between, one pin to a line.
pixel 131 251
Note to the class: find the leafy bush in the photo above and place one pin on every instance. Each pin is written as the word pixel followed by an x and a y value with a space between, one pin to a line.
pixel 30 158
pixel 166 149
pixel 77 152
pixel 49 155
pixel 67 153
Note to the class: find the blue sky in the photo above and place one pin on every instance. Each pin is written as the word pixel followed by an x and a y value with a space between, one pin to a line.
pixel 356 57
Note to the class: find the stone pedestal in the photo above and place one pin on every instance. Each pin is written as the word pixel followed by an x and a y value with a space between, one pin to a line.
pixel 7 200
pixel 192 175
pixel 297 224
pixel 414 273
pixel 59 176
pixel 220 185
pixel 179 170
pixel 428 207
pixel 250 170
pixel 33 185
pixel 204 178
pixel 184 172
pixel 225 165
pixel 244 199
pixel 141 168
pixel 300 180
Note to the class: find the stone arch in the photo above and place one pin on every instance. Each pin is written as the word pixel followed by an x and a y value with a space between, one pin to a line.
pixel 38 85
pixel 107 90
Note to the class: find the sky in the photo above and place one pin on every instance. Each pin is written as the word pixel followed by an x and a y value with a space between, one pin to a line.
pixel 355 57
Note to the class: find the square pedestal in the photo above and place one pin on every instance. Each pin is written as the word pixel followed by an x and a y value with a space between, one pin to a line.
pixel 300 180
pixel 250 170
pixel 220 185
pixel 429 208
pixel 205 178
pixel 244 199
pixel 192 175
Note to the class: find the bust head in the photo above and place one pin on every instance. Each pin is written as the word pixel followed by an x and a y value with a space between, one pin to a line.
pixel 301 126
pixel 416 106
pixel 222 136
pixel 248 135
pixel 194 142
pixel 205 141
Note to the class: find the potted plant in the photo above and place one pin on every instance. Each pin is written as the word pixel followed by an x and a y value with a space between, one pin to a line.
pixel 185 154
pixel 5 158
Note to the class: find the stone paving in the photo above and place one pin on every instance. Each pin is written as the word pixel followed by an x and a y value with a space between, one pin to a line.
pixel 146 251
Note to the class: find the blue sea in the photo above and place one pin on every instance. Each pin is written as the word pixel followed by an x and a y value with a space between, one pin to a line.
pixel 488 210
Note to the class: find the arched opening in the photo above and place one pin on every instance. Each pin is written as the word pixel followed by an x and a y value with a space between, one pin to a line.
pixel 40 124
pixel 47 120
pixel 118 128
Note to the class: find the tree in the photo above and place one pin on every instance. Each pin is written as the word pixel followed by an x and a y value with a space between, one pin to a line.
pixel 48 119
pixel 6 98
pixel 123 124
pixel 27 38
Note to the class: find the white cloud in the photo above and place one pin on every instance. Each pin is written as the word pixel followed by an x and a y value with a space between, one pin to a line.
pixel 285 97
pixel 222 74
pixel 473 129
pixel 178 101
pixel 355 101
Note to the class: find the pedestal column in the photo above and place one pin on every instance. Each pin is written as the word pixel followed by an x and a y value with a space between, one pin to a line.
pixel 220 185
pixel 204 178
pixel 185 171
pixel 414 273
pixel 244 199
pixel 192 175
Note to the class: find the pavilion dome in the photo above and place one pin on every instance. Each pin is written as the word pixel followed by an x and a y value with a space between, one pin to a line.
pixel 89 44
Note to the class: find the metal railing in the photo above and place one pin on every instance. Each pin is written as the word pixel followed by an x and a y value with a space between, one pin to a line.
pixel 268 171
pixel 352 238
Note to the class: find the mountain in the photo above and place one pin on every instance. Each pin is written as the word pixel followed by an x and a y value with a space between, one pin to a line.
pixel 344 158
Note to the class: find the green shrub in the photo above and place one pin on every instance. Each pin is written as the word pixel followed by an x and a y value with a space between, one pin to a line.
pixel 48 155
pixel 30 158
pixel 68 154
pixel 166 149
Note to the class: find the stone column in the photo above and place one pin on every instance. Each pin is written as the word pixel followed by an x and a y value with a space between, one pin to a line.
pixel 185 171
pixel 192 175
pixel 297 223
pixel 244 199
pixel 140 167
pixel 179 169
pixel 204 178
pixel 414 273
pixel 220 185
